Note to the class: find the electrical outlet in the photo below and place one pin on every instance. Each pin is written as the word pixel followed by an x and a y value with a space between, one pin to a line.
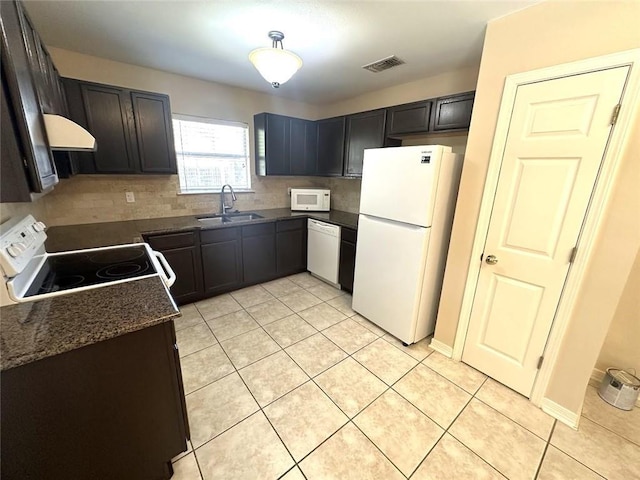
pixel 289 191
pixel 131 198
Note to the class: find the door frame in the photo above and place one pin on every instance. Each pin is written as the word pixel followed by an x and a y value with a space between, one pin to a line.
pixel 595 210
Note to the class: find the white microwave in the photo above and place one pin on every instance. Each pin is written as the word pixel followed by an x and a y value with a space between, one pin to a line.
pixel 310 199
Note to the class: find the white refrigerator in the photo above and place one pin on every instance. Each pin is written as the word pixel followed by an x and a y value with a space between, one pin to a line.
pixel 407 203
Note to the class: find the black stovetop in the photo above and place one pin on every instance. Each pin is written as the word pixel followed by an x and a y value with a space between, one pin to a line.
pixel 68 271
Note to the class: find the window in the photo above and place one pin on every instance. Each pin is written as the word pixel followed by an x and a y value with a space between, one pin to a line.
pixel 211 153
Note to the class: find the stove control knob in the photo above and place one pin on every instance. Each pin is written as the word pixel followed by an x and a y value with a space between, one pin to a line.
pixel 16 249
pixel 38 227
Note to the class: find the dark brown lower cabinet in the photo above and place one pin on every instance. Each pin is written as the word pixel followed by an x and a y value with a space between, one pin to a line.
pixel 221 260
pixel 111 410
pixel 259 252
pixel 347 258
pixel 182 251
pixel 291 246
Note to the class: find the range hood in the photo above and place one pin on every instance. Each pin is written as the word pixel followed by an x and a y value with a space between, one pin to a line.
pixel 63 134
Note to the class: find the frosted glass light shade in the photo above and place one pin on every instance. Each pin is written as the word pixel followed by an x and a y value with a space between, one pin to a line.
pixel 275 64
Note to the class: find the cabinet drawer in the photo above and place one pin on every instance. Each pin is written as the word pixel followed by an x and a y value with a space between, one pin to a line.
pixel 219 235
pixel 172 240
pixel 260 229
pixel 348 235
pixel 288 225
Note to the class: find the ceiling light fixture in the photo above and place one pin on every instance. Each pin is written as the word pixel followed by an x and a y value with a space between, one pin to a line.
pixel 276 65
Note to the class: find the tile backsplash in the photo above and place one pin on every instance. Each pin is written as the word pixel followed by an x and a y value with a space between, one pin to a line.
pixel 101 198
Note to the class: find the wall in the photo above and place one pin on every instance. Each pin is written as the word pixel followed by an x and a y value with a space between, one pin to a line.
pixel 346 192
pixel 546 34
pixel 8 210
pixel 457 81
pixel 621 348
pixel 98 198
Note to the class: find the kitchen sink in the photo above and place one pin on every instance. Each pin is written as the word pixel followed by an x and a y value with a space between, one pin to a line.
pixel 230 217
pixel 242 217
pixel 214 220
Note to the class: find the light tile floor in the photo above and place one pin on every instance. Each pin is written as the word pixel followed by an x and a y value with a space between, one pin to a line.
pixel 285 380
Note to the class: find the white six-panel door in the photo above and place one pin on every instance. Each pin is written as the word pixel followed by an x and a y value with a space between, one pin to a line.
pixel 557 137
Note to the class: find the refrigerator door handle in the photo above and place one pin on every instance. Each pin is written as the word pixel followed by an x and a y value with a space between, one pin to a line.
pixel 410 226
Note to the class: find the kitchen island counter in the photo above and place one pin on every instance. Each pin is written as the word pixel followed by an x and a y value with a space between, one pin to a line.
pixel 36 330
pixel 73 237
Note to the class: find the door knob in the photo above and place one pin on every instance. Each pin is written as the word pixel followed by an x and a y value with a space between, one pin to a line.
pixel 491 259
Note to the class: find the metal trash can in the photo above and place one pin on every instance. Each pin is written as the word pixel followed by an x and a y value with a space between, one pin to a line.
pixel 619 388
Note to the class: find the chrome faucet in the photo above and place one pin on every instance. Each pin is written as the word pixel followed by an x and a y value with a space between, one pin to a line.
pixel 223 206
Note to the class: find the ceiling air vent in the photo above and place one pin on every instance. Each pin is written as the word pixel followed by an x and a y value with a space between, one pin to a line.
pixel 384 64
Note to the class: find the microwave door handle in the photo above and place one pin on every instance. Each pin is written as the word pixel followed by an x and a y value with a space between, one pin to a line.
pixel 171 279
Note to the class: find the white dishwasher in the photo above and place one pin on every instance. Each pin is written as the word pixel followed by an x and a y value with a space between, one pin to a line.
pixel 323 250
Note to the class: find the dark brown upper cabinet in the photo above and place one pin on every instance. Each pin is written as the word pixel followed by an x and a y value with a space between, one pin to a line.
pixel 453 112
pixel 331 134
pixel 335 146
pixel 364 130
pixel 109 117
pixel 154 132
pixel 15 185
pixel 303 146
pixel 272 133
pixel 284 145
pixel 27 78
pixel 409 118
pixel 132 129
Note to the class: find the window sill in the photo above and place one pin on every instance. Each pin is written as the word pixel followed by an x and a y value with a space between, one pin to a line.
pixel 209 192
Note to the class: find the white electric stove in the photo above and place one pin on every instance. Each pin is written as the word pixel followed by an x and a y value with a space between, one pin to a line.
pixel 30 273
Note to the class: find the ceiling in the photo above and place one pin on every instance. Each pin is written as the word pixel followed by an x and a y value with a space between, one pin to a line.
pixel 211 40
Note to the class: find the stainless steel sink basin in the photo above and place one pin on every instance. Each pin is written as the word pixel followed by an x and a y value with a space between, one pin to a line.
pixel 230 217
pixel 243 217
pixel 214 220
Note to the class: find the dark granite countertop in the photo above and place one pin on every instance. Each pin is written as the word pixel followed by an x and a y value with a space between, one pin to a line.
pixel 36 330
pixel 74 237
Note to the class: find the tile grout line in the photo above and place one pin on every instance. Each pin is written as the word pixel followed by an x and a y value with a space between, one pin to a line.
pixel 388 387
pixel 296 463
pixel 348 355
pixel 350 420
pixel 260 409
pixel 544 452
pixel 571 456
pixel 511 419
pixel 236 370
pixel 612 431
pixel 446 430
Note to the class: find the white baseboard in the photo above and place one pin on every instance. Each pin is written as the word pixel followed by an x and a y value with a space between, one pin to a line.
pixel 440 347
pixel 560 413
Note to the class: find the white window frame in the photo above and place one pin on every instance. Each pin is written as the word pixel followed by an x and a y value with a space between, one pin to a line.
pixel 214 121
